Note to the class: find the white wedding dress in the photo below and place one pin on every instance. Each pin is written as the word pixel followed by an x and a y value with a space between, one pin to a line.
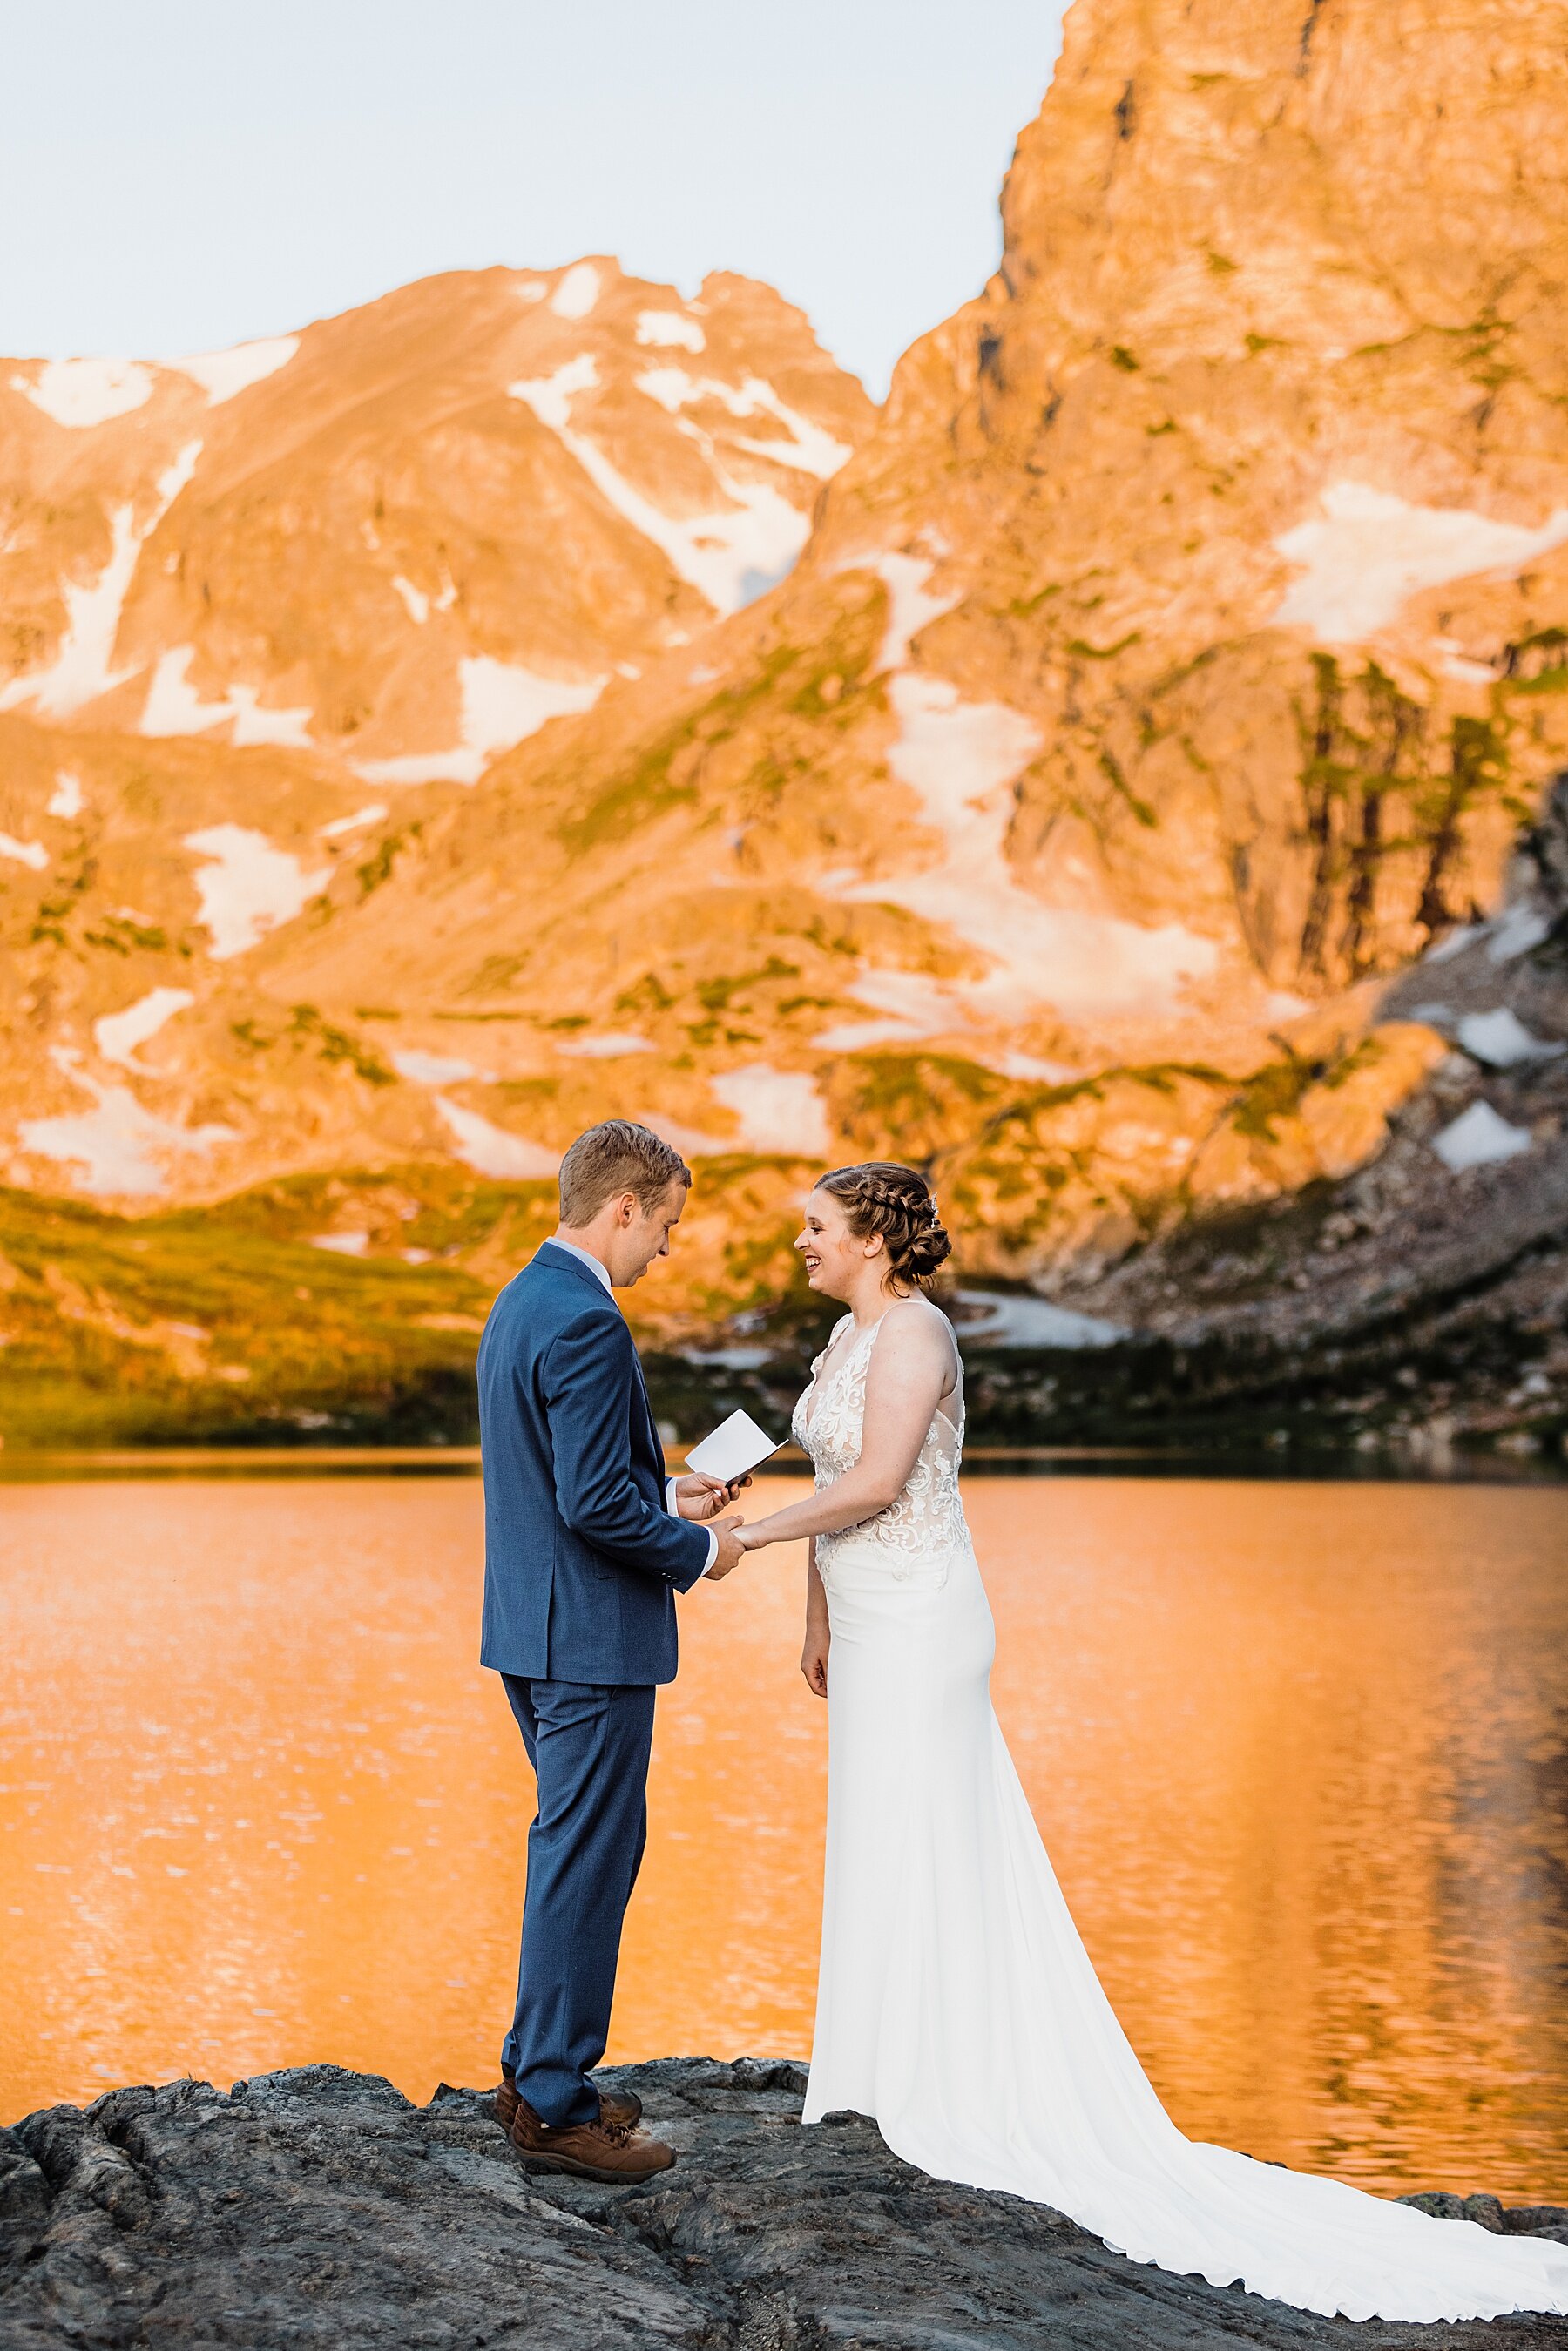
pixel 956 2005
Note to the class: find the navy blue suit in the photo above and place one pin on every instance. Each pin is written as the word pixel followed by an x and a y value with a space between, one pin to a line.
pixel 583 1562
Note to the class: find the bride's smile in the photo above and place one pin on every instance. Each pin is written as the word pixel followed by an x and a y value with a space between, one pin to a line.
pixel 837 1263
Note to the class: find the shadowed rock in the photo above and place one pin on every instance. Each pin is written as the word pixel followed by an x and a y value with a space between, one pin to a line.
pixel 319 2206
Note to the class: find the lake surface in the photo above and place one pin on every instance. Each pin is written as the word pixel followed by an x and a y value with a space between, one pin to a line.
pixel 1299 1753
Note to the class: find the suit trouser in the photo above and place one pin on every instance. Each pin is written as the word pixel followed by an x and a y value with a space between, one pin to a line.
pixel 589 1743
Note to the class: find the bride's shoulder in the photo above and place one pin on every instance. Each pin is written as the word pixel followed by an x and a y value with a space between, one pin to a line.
pixel 915 1326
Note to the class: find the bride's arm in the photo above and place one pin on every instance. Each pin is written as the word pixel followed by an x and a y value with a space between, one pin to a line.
pixel 911 1370
pixel 814 1652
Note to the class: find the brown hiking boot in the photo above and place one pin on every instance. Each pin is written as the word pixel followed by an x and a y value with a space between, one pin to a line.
pixel 623 2107
pixel 614 2152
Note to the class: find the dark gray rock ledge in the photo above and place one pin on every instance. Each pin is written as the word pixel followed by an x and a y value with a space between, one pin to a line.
pixel 318 2207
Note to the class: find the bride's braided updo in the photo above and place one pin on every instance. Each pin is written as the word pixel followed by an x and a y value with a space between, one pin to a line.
pixel 881 1196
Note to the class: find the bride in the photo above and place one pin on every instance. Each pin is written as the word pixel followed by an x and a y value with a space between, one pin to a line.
pixel 955 2003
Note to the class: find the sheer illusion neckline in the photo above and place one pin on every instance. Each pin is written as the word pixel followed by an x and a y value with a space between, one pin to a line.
pixel 821 1388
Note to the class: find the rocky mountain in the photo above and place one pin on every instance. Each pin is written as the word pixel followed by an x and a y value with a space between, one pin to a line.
pixel 405 537
pixel 262 611
pixel 1177 662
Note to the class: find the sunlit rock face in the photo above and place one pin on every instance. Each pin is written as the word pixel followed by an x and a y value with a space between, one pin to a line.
pixel 1259 513
pixel 1167 668
pixel 411 534
pixel 1173 665
pixel 262 612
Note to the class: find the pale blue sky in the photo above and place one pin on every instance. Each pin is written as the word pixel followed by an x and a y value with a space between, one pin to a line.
pixel 176 176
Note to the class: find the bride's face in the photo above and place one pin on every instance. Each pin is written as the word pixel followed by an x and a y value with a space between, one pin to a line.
pixel 835 1261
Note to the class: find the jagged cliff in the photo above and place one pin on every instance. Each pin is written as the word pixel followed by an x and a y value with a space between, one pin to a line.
pixel 1176 662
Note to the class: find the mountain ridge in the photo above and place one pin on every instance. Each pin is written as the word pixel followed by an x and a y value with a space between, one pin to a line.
pixel 1173 665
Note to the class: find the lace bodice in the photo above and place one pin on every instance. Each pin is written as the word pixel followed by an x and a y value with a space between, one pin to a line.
pixel 926 1522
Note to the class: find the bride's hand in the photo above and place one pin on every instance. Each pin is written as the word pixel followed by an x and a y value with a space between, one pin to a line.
pixel 814 1659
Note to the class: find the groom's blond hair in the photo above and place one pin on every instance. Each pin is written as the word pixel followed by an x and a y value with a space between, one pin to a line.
pixel 612 1159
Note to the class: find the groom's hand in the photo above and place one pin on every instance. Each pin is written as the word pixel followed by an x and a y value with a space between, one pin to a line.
pixel 700 1498
pixel 731 1548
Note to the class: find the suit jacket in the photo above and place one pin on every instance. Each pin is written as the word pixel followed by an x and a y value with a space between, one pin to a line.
pixel 583 1560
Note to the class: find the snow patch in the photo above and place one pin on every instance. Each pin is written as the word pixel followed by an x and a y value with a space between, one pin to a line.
pixel 779 1109
pixel 1502 1039
pixel 912 997
pixel 25 853
pixel 1515 932
pixel 531 289
pixel 175 707
pixel 82 392
pixel 809 450
pixel 1371 550
pixel 577 292
pixel 1033 1070
pixel 691 1141
pixel 731 555
pixel 960 759
pixel 66 800
pixel 341 1244
pixel 910 607
pixel 612 1048
pixel 118 1034
pixel 118 1145
pixel 551 396
pixel 503 705
pixel 432 1069
pixel 1478 1136
pixel 1002 1321
pixel 81 669
pixel 916 1006
pixel 670 330
pixel 1454 943
pixel 222 374
pixel 1454 661
pixel 342 824
pixel 859 1036
pixel 491 1150
pixel 415 603
pixel 249 888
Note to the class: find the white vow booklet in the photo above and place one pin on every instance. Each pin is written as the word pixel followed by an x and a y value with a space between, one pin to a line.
pixel 733 1449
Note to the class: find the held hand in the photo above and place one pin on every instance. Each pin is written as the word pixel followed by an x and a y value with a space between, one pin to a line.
pixel 731 1548
pixel 700 1498
pixel 814 1659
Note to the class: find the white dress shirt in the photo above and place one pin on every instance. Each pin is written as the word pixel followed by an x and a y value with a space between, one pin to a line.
pixel 601 1272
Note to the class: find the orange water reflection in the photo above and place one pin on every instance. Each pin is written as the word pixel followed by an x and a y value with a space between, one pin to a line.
pixel 1301 1755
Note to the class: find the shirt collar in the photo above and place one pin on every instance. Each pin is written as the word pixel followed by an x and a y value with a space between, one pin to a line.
pixel 599 1271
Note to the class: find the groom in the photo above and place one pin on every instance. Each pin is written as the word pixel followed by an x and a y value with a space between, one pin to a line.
pixel 586 1544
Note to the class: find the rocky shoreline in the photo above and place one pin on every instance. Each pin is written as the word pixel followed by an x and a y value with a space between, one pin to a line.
pixel 319 2206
